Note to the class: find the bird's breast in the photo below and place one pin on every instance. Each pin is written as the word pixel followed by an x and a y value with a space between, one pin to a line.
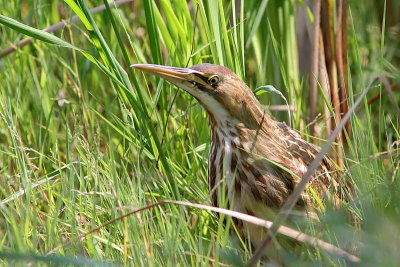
pixel 239 180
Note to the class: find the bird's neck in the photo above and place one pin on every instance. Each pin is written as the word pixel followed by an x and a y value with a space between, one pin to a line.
pixel 226 131
pixel 225 143
pixel 229 131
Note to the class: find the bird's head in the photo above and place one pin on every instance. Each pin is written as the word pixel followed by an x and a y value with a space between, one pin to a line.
pixel 219 90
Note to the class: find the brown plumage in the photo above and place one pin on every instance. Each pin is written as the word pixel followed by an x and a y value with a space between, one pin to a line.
pixel 254 160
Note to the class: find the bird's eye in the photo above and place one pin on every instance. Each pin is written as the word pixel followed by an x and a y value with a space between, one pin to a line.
pixel 213 80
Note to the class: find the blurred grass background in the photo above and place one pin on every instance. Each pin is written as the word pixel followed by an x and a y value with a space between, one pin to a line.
pixel 83 141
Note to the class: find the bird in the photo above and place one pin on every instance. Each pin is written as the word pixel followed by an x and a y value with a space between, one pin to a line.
pixel 255 162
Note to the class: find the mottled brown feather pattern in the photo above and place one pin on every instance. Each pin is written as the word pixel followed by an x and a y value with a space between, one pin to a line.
pixel 255 161
pixel 251 141
pixel 259 185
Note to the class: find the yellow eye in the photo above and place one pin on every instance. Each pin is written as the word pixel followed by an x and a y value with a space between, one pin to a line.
pixel 213 80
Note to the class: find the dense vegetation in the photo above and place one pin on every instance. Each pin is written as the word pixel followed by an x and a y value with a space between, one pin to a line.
pixel 85 139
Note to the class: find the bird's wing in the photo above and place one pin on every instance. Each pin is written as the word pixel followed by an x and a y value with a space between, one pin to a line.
pixel 327 183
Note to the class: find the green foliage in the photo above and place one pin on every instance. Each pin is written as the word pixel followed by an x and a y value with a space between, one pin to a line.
pixel 84 138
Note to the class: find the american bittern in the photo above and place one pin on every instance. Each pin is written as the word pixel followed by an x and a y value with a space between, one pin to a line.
pixel 258 159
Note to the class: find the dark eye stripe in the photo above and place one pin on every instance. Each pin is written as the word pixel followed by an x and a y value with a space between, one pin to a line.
pixel 202 77
pixel 202 87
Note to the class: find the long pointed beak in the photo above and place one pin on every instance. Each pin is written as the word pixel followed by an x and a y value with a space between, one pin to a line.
pixel 178 76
